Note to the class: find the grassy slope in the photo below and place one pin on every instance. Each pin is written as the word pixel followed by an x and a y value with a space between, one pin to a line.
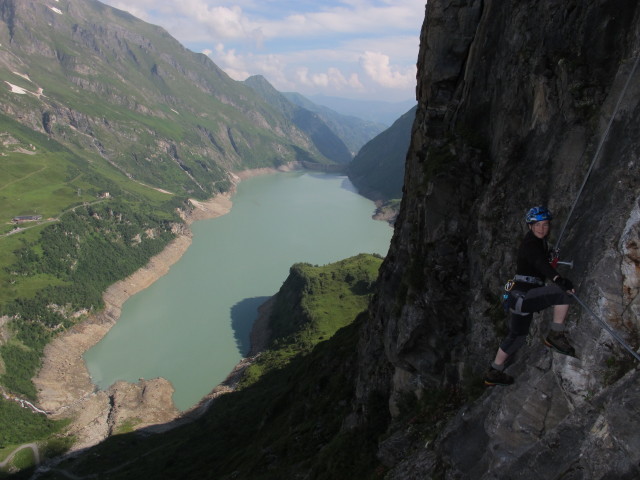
pixel 50 182
pixel 40 176
pixel 287 417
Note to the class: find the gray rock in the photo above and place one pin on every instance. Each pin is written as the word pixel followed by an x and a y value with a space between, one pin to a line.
pixel 514 99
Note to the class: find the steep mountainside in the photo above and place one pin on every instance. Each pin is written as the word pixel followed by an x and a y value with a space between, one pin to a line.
pixel 122 91
pixel 287 414
pixel 514 99
pixel 353 131
pixel 378 168
pixel 323 138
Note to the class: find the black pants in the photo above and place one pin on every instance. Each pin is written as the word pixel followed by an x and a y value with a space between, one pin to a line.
pixel 534 300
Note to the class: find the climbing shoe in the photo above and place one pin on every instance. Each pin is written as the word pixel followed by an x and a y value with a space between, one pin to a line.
pixel 559 342
pixel 496 377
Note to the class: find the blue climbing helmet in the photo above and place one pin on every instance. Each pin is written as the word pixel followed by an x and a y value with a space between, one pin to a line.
pixel 538 214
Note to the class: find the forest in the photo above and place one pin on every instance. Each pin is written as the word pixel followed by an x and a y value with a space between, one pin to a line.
pixel 89 249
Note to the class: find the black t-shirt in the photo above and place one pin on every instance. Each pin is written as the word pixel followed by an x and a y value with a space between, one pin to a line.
pixel 533 260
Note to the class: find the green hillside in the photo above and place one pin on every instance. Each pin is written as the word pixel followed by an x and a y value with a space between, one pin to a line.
pixel 312 357
pixel 111 87
pixel 378 168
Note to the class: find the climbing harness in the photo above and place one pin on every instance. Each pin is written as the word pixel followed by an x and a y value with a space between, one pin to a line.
pixel 606 326
pixel 512 299
pixel 598 150
pixel 528 279
pixel 517 305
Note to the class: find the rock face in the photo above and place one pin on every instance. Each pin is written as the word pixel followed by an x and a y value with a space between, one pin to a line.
pixel 514 100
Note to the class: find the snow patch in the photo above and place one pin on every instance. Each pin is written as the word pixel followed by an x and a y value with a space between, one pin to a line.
pixel 175 111
pixel 57 10
pixel 16 89
pixel 22 91
pixel 26 77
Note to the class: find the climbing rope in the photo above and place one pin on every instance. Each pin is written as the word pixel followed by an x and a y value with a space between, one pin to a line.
pixel 598 150
pixel 606 326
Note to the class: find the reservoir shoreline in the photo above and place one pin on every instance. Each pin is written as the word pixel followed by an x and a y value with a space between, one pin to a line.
pixel 65 388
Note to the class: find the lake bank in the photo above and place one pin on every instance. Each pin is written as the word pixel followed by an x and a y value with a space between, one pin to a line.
pixel 64 385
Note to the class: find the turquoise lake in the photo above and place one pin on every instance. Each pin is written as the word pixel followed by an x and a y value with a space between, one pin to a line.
pixel 192 325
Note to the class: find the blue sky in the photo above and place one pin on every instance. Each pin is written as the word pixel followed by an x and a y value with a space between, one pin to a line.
pixel 362 49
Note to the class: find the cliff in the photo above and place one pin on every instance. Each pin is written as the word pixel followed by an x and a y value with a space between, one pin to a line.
pixel 514 99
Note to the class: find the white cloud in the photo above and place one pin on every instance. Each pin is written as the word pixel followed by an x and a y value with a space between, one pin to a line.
pixel 377 66
pixel 226 22
pixel 364 47
pixel 233 64
pixel 234 22
pixel 332 78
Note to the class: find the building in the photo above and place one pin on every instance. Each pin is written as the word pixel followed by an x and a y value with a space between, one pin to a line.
pixel 27 218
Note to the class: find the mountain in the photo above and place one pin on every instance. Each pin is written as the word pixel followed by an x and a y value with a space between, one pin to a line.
pixel 519 104
pixel 380 112
pixel 353 131
pixel 131 100
pixel 327 142
pixel 377 170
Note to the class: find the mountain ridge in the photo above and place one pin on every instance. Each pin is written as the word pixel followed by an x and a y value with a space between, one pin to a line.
pixel 353 131
pixel 324 139
pixel 159 97
pixel 377 111
pixel 377 170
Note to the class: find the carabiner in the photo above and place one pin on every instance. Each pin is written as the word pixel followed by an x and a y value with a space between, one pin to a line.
pixel 509 285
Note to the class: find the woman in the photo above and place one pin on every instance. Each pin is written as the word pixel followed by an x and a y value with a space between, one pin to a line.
pixel 529 294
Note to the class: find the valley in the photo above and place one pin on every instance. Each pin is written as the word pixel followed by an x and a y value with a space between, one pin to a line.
pixel 368 367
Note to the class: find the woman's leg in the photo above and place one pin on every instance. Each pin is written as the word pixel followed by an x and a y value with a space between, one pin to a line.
pixel 560 313
pixel 518 331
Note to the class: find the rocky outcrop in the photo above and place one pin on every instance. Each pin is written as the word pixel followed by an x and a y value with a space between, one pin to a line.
pixel 121 408
pixel 514 99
